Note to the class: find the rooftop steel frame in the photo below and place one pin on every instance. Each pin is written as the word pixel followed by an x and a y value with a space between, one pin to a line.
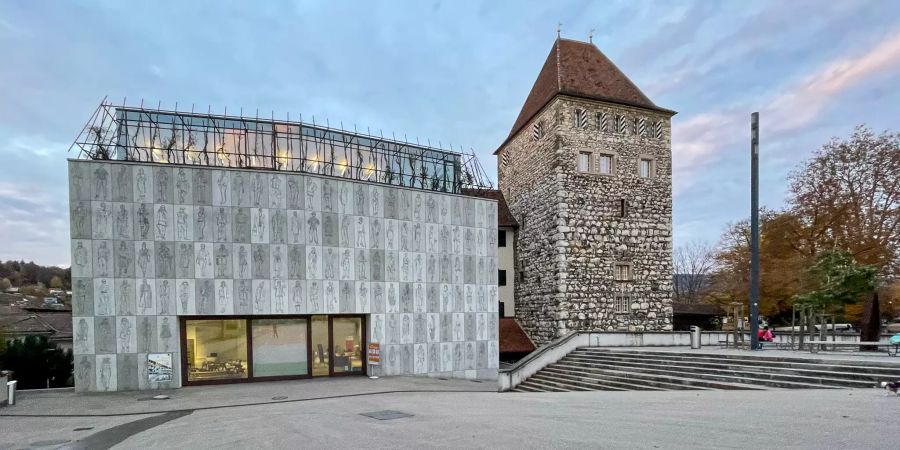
pixel 188 138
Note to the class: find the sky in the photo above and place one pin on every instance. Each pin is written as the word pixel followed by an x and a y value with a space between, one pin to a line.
pixel 450 72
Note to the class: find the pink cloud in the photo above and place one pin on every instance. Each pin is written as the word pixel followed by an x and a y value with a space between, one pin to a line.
pixel 704 138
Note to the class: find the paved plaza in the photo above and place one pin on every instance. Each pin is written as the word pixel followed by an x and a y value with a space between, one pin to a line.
pixel 451 414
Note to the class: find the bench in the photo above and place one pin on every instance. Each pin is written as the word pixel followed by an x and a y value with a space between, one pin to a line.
pixel 783 345
pixel 815 345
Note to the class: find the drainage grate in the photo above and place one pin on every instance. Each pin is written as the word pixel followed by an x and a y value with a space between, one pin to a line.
pixel 386 415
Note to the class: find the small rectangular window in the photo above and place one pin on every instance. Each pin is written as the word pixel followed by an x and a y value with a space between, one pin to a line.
pixel 501 278
pixel 605 164
pixel 623 208
pixel 645 169
pixel 501 238
pixel 584 161
pixel 622 304
pixel 521 276
pixel 623 272
pixel 603 121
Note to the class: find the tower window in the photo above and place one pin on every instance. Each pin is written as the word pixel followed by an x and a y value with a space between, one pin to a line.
pixel 645 168
pixel 605 164
pixel 622 304
pixel 501 278
pixel 584 161
pixel 623 272
pixel 537 130
pixel 620 124
pixel 603 122
pixel 658 129
pixel 581 118
pixel 623 208
pixel 501 238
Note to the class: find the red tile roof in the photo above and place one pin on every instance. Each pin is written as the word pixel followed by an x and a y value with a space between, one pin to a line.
pixel 512 338
pixel 580 69
pixel 505 218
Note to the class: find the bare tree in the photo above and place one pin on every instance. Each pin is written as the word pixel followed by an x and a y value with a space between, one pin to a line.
pixel 693 264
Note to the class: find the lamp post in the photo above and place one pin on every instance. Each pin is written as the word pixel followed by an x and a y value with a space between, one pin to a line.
pixel 754 231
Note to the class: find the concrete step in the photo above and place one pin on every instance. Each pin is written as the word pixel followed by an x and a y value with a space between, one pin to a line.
pixel 538 384
pixel 888 368
pixel 750 372
pixel 615 383
pixel 746 365
pixel 686 381
pixel 742 379
pixel 560 382
pixel 526 388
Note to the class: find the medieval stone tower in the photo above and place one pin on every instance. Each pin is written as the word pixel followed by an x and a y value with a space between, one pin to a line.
pixel 587 173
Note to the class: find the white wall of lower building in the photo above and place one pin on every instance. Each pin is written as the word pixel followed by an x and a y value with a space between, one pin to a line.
pixel 506 261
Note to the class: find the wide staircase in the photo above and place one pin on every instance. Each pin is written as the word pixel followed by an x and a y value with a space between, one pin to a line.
pixel 607 369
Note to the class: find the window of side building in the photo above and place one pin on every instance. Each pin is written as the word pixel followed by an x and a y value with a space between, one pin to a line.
pixel 622 303
pixel 501 238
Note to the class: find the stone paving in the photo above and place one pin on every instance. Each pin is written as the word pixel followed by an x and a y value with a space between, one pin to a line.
pixel 855 418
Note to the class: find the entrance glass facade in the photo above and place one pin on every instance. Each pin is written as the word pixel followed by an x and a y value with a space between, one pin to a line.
pixel 247 349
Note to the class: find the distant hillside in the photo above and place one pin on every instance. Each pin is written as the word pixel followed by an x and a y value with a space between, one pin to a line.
pixel 21 273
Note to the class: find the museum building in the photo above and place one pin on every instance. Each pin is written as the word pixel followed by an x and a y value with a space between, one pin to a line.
pixel 218 249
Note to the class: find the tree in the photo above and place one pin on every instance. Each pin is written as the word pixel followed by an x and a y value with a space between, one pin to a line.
pixel 780 264
pixel 836 280
pixel 56 282
pixel 848 197
pixel 693 263
pixel 37 362
pixel 5 284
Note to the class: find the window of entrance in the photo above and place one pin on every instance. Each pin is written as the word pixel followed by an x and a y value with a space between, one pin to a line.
pixel 271 347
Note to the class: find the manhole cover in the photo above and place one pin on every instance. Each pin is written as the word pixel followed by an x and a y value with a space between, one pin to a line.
pixel 49 443
pixel 83 428
pixel 279 397
pixel 386 415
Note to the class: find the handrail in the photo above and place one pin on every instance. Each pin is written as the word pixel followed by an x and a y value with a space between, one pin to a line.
pixel 541 350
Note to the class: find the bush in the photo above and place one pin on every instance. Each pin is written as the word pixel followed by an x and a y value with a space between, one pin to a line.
pixel 35 362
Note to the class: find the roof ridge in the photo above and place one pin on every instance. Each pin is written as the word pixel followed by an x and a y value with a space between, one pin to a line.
pixel 558 66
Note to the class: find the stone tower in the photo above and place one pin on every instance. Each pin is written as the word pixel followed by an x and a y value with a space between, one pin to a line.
pixel 587 173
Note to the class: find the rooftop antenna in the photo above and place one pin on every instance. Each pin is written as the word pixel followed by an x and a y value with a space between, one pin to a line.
pixel 558 29
pixel 591 36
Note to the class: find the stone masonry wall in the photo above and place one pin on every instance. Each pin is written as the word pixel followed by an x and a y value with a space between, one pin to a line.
pixel 531 184
pixel 573 232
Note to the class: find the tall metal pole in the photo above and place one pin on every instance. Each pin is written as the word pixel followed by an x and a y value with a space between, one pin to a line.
pixel 754 231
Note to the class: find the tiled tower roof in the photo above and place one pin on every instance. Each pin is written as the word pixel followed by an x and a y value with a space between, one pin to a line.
pixel 580 69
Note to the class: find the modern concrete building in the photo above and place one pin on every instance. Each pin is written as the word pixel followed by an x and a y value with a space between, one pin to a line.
pixel 586 171
pixel 211 249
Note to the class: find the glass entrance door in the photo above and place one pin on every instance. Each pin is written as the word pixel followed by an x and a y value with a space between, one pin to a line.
pixel 347 345
pixel 321 364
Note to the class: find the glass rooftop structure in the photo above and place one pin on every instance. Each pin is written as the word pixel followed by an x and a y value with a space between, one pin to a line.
pixel 170 137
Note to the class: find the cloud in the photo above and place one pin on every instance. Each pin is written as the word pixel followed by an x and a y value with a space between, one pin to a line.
pixel 805 101
pixel 704 138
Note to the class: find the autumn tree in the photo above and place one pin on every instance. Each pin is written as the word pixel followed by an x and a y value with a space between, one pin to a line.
pixel 848 197
pixel 781 264
pixel 56 282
